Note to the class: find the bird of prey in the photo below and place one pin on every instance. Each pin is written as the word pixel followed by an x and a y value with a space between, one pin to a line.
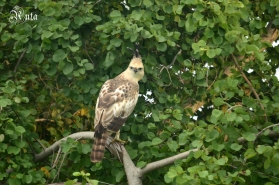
pixel 116 101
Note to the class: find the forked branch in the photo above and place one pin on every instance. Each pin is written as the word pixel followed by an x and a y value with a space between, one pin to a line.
pixel 133 173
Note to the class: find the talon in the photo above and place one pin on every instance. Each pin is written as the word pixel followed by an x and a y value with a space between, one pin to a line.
pixel 117 139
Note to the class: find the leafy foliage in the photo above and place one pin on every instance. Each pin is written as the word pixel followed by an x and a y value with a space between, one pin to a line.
pixel 52 68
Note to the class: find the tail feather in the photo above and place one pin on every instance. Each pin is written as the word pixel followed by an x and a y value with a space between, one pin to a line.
pixel 100 139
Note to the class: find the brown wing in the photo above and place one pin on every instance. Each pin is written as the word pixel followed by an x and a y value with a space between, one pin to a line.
pixel 115 103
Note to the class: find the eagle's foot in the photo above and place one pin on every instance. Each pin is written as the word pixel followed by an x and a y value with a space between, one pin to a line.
pixel 117 139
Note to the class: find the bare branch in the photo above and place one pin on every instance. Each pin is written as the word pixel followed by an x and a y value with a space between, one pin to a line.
pixel 270 134
pixel 164 162
pixel 19 60
pixel 96 2
pixel 174 59
pixel 85 48
pixel 132 172
pixel 164 67
pixel 260 133
pixel 56 145
pixel 250 85
pixel 43 120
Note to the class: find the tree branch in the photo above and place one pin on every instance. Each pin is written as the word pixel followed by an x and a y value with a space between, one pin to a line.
pixel 18 61
pixel 270 134
pixel 260 133
pixel 174 59
pixel 165 162
pixel 133 173
pixel 53 148
pixel 250 85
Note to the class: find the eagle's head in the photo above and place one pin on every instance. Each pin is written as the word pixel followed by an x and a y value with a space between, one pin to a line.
pixel 136 69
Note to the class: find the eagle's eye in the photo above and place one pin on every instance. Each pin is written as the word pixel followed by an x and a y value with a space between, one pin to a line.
pixel 140 69
pixel 131 68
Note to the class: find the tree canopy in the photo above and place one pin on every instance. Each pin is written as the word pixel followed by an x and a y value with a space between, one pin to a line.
pixel 210 59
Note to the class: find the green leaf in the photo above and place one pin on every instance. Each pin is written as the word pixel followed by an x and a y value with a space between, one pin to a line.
pixel 134 37
pixel 249 136
pixel 210 53
pixel 197 143
pixel 5 102
pixel 2 137
pixel 39 57
pixel 251 49
pixel 216 114
pixel 146 34
pixel 197 15
pixel 17 99
pixel 20 129
pixel 59 55
pixel 201 83
pixel 46 34
pixel 231 116
pixel 218 101
pixel 213 134
pixel 93 182
pixel 74 48
pixel 5 36
pixel 250 153
pixel 187 63
pixel 49 11
pixel 190 25
pixel 52 69
pixel 203 174
pixel 267 163
pixel 27 179
pixel 136 15
pixel 78 20
pixel 156 141
pixel 25 113
pixel 116 42
pixel 173 145
pixel 141 164
pixel 88 66
pixel 76 174
pixel 260 56
pixel 155 115
pixel 183 138
pixel 172 173
pixel 161 46
pixel 68 68
pixel 119 176
pixel 13 150
pixel 147 3
pixel 236 147
pixel 115 13
pixel 13 181
pixel 221 161
pixel 177 114
pixel 109 59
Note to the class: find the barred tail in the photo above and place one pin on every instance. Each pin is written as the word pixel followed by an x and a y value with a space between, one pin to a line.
pixel 100 139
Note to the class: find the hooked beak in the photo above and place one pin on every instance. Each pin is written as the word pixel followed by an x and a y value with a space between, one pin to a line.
pixel 135 70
